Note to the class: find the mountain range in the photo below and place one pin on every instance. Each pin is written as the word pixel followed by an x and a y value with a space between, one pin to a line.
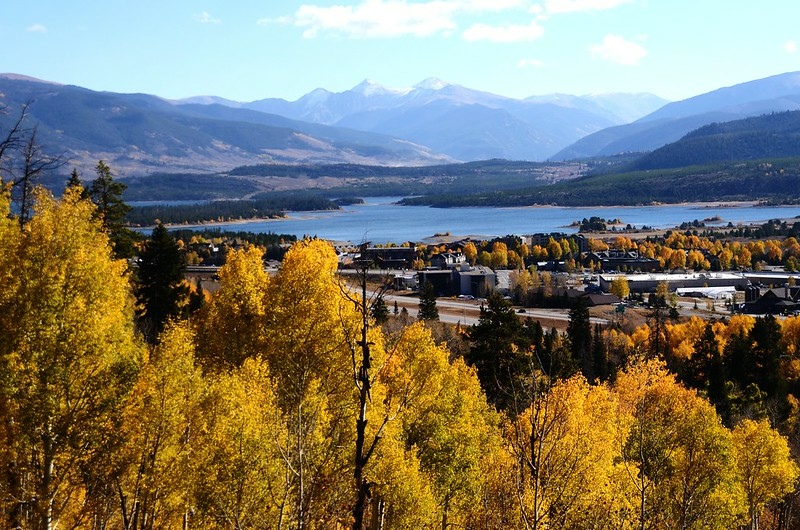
pixel 433 122
pixel 140 133
pixel 459 122
pixel 672 121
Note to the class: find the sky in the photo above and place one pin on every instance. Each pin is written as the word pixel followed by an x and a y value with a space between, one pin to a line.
pixel 245 50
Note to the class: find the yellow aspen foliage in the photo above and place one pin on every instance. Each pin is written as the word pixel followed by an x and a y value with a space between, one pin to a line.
pixel 737 325
pixel 311 328
pixel 677 454
pixel 640 338
pixel 790 335
pixel 470 252
pixel 682 336
pixel 565 443
pixel 231 328
pixel 597 245
pixel 620 287
pixel 617 340
pixel 310 321
pixel 452 431
pixel 399 483
pixel 242 479
pixel 764 465
pixel 160 424
pixel 67 355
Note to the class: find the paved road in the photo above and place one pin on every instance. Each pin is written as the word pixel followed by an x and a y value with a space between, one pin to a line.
pixel 467 312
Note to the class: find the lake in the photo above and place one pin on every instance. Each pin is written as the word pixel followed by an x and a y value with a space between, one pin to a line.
pixel 379 220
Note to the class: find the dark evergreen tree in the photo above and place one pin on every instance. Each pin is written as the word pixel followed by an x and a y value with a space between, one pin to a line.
pixel 160 290
pixel 767 351
pixel 396 309
pixel 500 352
pixel 741 363
pixel 656 319
pixel 600 355
pixel 695 372
pixel 579 332
pixel 379 310
pixel 427 303
pixel 106 194
pixel 74 180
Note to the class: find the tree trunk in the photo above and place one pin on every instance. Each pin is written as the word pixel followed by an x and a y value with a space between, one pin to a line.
pixel 45 494
pixel 363 384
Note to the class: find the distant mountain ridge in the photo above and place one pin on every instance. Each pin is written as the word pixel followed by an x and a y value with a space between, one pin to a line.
pixel 140 133
pixel 775 135
pixel 672 121
pixel 462 123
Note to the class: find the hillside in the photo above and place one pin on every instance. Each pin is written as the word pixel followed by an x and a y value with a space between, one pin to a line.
pixel 768 136
pixel 139 133
pixel 668 124
pixel 773 180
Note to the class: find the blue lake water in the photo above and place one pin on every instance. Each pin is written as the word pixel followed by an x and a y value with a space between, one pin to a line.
pixel 379 220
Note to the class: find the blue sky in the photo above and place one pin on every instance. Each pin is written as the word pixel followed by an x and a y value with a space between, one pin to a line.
pixel 246 50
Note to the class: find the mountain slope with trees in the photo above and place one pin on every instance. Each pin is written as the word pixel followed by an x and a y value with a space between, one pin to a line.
pixel 775 135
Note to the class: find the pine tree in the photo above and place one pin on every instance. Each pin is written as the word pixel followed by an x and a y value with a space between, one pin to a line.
pixel 74 180
pixel 579 331
pixel 106 194
pixel 427 303
pixel 161 291
pixel 379 310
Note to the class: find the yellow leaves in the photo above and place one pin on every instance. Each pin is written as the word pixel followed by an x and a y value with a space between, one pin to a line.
pixel 66 328
pixel 763 463
pixel 241 475
pixel 567 440
pixel 232 325
pixel 684 335
pixel 790 335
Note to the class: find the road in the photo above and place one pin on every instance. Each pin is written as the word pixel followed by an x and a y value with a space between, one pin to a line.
pixel 467 312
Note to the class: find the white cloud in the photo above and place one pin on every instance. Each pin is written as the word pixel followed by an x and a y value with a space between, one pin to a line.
pixel 205 18
pixel 394 18
pixel 488 5
pixel 790 46
pixel 572 6
pixel 530 63
pixel 505 34
pixel 618 50
pixel 36 28
pixel 378 18
pixel 281 21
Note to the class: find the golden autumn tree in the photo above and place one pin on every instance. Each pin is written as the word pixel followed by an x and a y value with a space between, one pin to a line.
pixel 241 481
pixel 67 355
pixel 677 455
pixel 446 422
pixel 565 446
pixel 763 465
pixel 307 347
pixel 162 419
pixel 232 325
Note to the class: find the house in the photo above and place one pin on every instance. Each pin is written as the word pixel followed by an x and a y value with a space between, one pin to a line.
pixel 448 260
pixel 616 259
pixel 391 257
pixel 476 281
pixel 465 280
pixel 778 301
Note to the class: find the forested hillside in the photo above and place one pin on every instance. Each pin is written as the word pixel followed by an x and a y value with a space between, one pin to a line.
pixel 278 402
pixel 763 137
